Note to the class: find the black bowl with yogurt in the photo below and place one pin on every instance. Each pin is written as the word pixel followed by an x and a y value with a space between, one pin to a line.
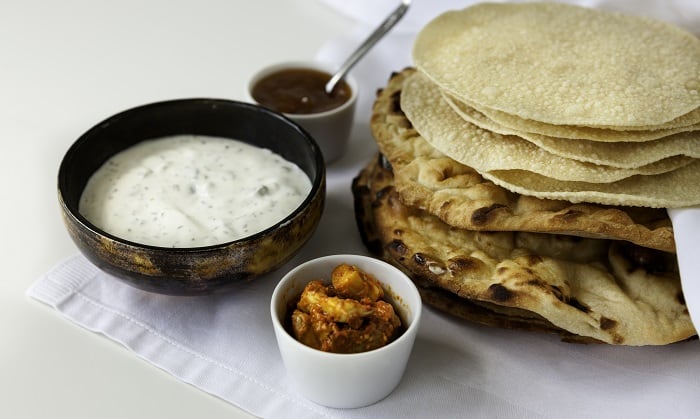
pixel 205 267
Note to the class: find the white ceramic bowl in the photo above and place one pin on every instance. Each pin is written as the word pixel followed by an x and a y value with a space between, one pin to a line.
pixel 347 380
pixel 331 129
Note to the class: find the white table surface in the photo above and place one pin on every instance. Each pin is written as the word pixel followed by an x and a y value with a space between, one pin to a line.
pixel 63 67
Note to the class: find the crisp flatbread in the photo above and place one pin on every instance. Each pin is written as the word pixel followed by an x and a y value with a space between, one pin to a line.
pixel 600 290
pixel 461 197
pixel 488 151
pixel 563 64
pixel 616 150
pixel 675 189
pixel 682 124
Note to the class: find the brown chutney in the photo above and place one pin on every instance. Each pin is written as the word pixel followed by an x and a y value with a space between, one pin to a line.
pixel 299 91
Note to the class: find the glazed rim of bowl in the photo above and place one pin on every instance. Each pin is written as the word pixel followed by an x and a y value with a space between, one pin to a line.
pixel 206 117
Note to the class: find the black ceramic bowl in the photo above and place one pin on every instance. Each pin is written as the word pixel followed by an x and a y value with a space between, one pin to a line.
pixel 197 270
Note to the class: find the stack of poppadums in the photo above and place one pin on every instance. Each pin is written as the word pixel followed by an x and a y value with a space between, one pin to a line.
pixel 525 168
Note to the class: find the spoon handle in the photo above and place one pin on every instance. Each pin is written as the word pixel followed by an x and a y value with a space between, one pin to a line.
pixel 378 33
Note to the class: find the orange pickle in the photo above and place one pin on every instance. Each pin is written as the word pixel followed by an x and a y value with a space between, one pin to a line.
pixel 348 315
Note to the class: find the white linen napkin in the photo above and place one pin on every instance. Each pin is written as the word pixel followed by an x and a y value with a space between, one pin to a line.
pixel 224 344
pixel 686 229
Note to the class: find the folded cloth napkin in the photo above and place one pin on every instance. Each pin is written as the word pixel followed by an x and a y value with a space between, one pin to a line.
pixel 225 346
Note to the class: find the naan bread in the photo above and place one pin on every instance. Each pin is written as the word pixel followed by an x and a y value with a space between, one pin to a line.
pixel 563 64
pixel 461 197
pixel 487 151
pixel 475 311
pixel 598 290
pixel 616 150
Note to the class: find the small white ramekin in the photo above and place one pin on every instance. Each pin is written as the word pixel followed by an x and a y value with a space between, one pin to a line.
pixel 332 128
pixel 346 380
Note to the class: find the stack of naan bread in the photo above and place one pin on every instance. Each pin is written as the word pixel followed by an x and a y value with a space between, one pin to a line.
pixel 525 166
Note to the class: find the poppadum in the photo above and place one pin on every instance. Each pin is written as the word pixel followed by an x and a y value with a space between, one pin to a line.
pixel 487 151
pixel 623 153
pixel 563 64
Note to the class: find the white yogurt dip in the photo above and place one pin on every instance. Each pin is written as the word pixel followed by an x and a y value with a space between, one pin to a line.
pixel 190 191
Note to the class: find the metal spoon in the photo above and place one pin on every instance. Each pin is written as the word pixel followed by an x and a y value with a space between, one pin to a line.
pixel 378 33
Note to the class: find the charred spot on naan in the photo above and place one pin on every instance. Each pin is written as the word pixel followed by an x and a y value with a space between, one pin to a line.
pixel 486 215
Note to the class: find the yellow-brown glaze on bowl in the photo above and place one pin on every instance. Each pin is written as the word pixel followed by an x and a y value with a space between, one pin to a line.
pixel 198 270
